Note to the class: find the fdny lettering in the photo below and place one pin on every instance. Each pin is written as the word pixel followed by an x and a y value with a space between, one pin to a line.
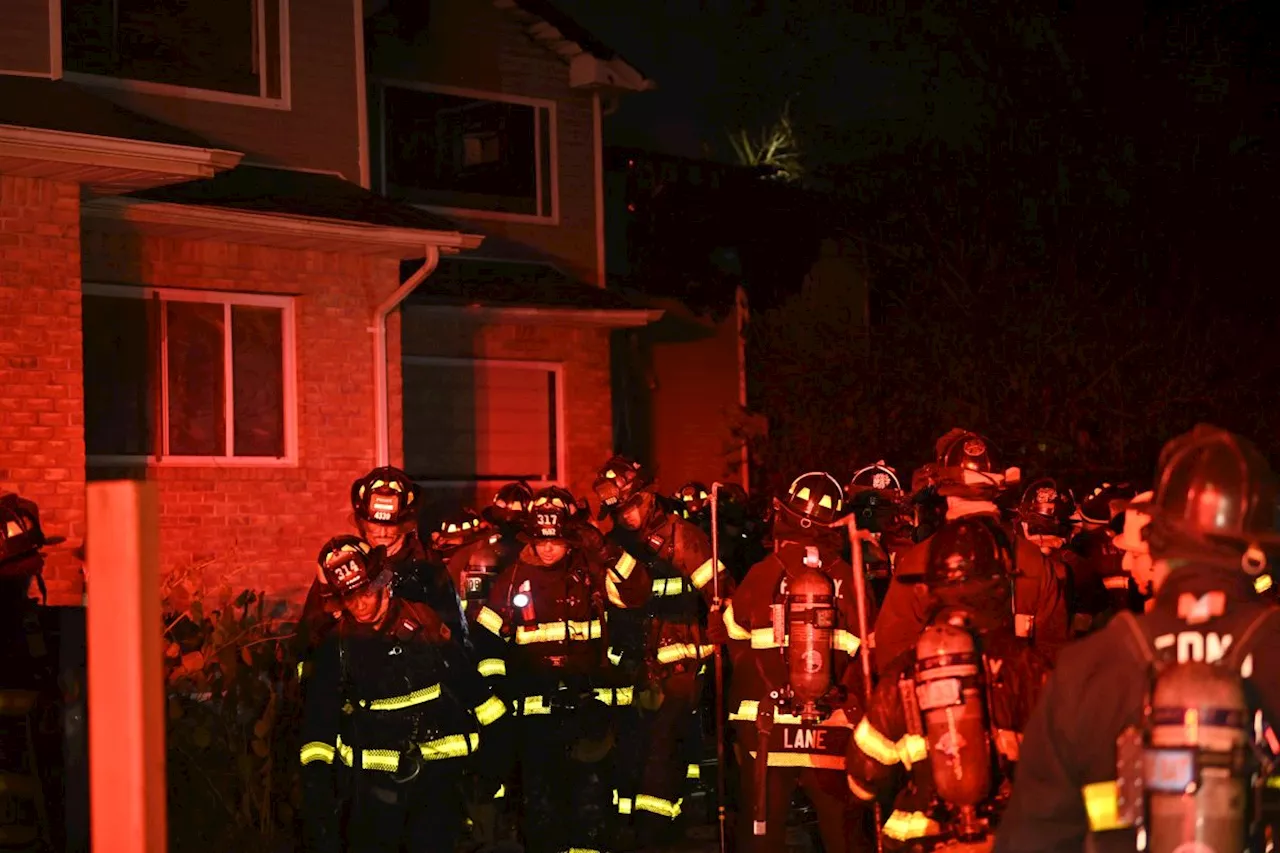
pixel 836 582
pixel 815 739
pixel 1192 646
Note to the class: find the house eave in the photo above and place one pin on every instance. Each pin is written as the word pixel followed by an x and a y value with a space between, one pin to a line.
pixel 550 316
pixel 591 72
pixel 273 229
pixel 106 164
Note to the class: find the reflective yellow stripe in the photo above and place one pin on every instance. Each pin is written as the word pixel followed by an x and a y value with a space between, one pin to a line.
pixel 1100 801
pixel 1008 743
pixel 859 791
pixel 533 705
pixel 492 666
pixel 762 638
pixel 684 651
pixel 912 749
pixel 668 586
pixel 694 772
pixel 304 669
pixel 625 566
pixel 558 632
pixel 844 641
pixel 580 850
pixel 490 619
pixel 805 759
pixel 316 751
pixel 903 826
pixel 874 744
pixel 749 709
pixel 490 711
pixel 623 803
pixel 615 657
pixel 450 746
pixel 615 594
pixel 500 793
pixel 370 759
pixel 396 703
pixel 703 574
pixel 617 696
pixel 736 631
pixel 658 806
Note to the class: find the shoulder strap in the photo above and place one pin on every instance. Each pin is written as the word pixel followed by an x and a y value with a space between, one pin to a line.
pixel 1235 656
pixel 1140 642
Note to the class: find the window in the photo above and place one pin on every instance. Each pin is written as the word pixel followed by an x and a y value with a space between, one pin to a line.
pixel 487 156
pixel 468 421
pixel 231 47
pixel 176 375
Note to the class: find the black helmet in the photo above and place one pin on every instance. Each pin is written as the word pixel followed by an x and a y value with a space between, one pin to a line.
pixel 813 497
pixel 964 551
pixel 385 496
pixel 874 495
pixel 348 564
pixel 20 530
pixel 1106 502
pixel 1046 509
pixel 968 466
pixel 510 504
pixel 550 514
pixel 964 449
pixel 458 529
pixel 692 499
pixel 1215 501
pixel 879 477
pixel 617 482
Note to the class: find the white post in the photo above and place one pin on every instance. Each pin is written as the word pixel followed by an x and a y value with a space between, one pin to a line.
pixel 126 675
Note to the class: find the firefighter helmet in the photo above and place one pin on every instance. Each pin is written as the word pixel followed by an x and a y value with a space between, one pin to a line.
pixel 964 551
pixel 20 531
pixel 550 513
pixel 692 498
pixel 1215 501
pixel 510 504
pixel 620 480
pixel 1046 509
pixel 964 449
pixel 1106 503
pixel 968 467
pixel 348 564
pixel 813 497
pixel 878 477
pixel 385 496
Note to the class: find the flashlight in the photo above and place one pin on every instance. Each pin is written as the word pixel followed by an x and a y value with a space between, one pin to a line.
pixel 520 599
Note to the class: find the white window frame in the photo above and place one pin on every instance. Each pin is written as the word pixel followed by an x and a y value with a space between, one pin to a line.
pixel 552 182
pixel 288 328
pixel 148 87
pixel 554 367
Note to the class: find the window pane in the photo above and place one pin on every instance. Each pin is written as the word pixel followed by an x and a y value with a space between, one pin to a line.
pixel 257 364
pixel 479 421
pixel 460 152
pixel 119 408
pixel 197 390
pixel 205 44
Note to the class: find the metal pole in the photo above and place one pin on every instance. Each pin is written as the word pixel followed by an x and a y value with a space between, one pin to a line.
pixel 856 538
pixel 716 607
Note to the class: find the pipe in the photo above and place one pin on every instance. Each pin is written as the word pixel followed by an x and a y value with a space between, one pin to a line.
pixel 381 392
pixel 743 309
pixel 597 131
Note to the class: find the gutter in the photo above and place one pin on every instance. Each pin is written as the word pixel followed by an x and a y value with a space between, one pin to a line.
pixel 107 151
pixel 381 392
pixel 615 319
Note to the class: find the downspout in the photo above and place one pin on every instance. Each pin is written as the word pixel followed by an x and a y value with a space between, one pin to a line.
pixel 597 131
pixel 381 393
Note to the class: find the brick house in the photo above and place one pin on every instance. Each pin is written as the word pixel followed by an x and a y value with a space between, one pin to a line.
pixel 201 278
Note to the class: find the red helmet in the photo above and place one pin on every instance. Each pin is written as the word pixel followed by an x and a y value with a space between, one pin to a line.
pixel 620 480
pixel 385 496
pixel 348 564
pixel 813 497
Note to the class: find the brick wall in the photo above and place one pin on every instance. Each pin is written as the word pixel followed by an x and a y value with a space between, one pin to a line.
pixel 473 45
pixel 269 522
pixel 584 352
pixel 42 408
pixel 24 36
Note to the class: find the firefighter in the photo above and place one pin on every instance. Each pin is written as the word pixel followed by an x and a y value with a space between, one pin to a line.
pixel 384 506
pixel 741 531
pixel 392 716
pixel 767 694
pixel 1100 586
pixel 875 498
pixel 676 634
pixel 1046 516
pixel 1212 526
pixel 549 607
pixel 949 711
pixel 967 477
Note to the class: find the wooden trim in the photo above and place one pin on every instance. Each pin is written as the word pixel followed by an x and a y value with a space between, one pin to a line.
pixel 553 139
pixel 55 39
pixel 362 96
pixel 108 151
